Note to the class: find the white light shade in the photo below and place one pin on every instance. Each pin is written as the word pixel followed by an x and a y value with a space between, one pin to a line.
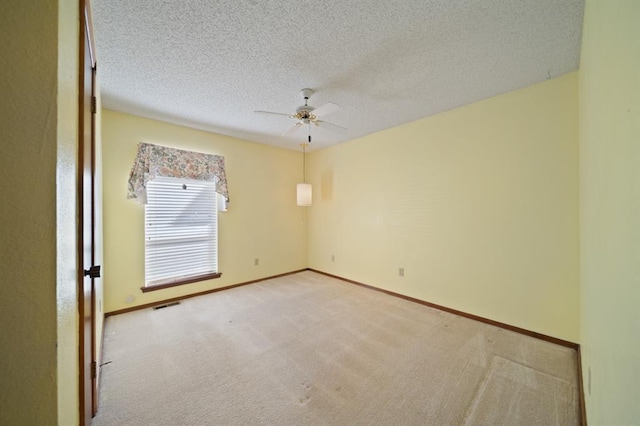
pixel 304 194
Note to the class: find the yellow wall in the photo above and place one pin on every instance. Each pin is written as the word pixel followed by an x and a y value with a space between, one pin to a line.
pixel 66 200
pixel 478 204
pixel 37 171
pixel 262 222
pixel 610 210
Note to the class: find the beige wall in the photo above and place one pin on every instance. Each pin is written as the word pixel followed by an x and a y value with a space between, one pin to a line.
pixel 262 222
pixel 38 79
pixel 610 210
pixel 479 205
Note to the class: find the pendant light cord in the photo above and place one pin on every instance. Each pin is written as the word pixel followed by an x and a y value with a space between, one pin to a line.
pixel 304 158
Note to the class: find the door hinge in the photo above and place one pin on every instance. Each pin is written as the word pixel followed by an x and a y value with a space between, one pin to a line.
pixel 94 370
pixel 93 105
pixel 93 272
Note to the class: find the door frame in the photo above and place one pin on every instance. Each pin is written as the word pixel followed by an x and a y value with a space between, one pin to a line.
pixel 88 394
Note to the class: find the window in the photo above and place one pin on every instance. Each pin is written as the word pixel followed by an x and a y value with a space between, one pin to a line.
pixel 181 232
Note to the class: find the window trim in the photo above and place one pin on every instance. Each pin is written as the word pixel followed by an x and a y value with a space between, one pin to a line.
pixel 181 282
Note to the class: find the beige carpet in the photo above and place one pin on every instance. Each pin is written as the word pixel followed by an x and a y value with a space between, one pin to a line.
pixel 306 349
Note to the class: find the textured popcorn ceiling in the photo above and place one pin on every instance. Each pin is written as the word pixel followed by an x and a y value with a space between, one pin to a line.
pixel 211 64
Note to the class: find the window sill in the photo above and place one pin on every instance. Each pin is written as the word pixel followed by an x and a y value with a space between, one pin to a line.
pixel 181 282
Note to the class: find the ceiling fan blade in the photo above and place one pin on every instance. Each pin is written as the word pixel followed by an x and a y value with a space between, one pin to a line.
pixel 293 129
pixel 331 126
pixel 274 113
pixel 325 109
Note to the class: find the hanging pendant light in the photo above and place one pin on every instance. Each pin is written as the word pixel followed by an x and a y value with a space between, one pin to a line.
pixel 303 190
pixel 304 194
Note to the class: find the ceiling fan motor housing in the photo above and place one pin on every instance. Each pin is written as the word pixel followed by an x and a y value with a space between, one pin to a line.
pixel 306 93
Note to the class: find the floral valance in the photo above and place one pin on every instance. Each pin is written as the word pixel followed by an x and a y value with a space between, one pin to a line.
pixel 154 160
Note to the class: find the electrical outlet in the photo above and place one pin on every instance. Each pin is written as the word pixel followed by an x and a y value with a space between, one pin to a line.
pixel 401 272
pixel 256 262
pixel 333 257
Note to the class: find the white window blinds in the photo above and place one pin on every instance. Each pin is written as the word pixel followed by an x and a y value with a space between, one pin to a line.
pixel 181 230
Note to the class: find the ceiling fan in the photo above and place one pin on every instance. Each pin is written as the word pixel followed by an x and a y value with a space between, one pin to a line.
pixel 307 114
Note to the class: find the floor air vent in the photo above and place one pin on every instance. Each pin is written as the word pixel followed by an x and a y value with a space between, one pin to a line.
pixel 155 308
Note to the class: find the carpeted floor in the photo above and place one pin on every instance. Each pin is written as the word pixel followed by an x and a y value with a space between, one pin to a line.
pixel 306 349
